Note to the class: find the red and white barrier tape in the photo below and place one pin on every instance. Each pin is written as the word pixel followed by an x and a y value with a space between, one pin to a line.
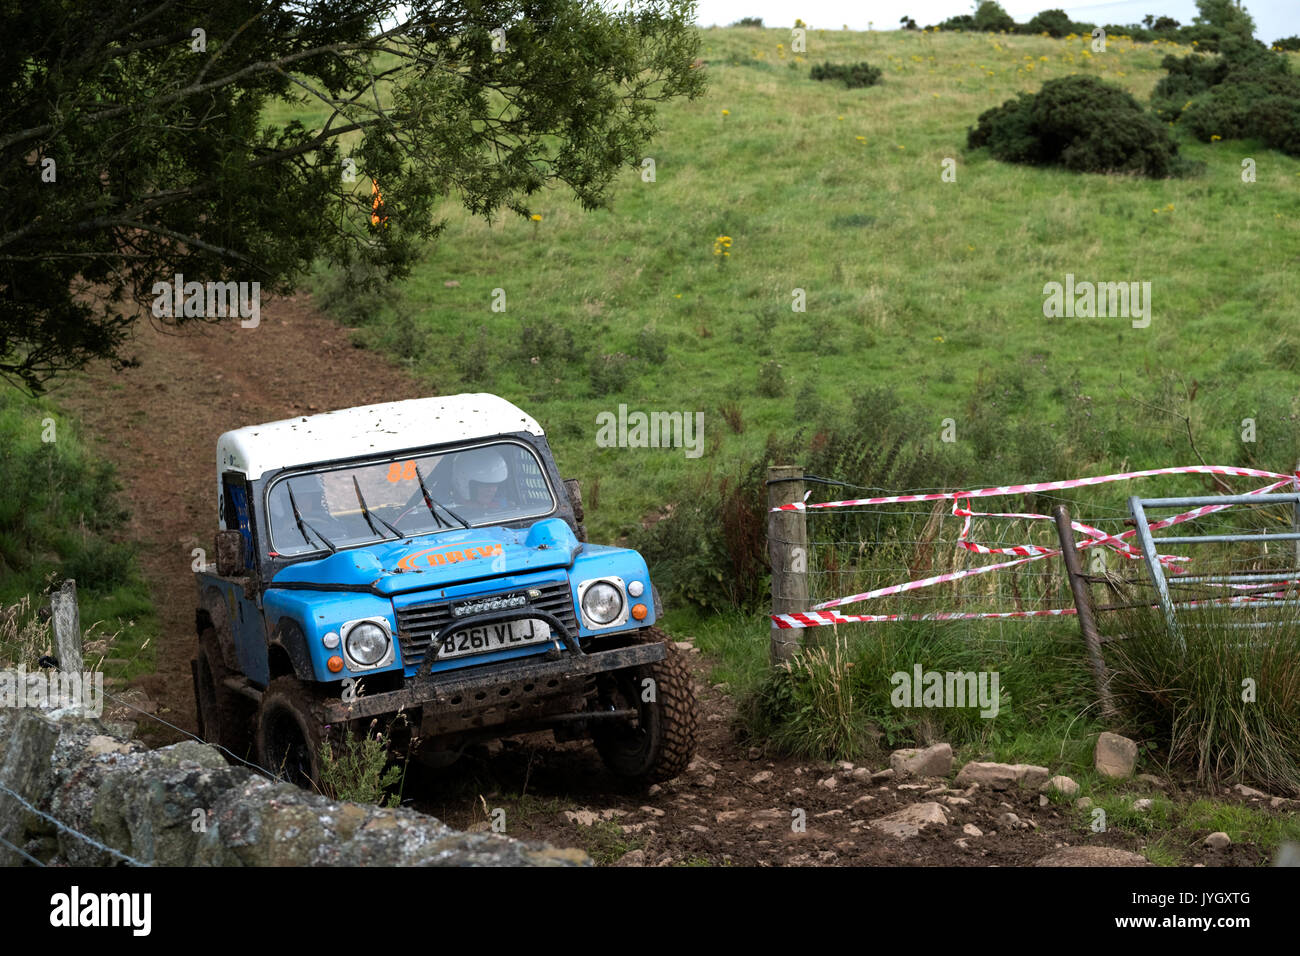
pixel 1039 486
pixel 821 618
pixel 818 615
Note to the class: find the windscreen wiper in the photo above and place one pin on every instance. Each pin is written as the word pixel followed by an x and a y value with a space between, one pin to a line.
pixel 303 526
pixel 429 503
pixel 365 513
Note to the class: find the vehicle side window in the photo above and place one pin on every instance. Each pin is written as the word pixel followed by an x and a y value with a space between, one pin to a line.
pixel 533 489
pixel 235 495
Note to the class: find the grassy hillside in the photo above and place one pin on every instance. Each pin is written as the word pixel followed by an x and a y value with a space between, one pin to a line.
pixel 930 288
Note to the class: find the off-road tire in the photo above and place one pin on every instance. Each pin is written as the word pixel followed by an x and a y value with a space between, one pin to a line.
pixel 225 717
pixel 290 733
pixel 662 742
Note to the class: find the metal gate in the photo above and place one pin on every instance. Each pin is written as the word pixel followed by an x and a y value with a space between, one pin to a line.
pixel 1251 586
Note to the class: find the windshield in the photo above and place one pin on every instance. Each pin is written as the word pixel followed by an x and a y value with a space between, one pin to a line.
pixel 395 498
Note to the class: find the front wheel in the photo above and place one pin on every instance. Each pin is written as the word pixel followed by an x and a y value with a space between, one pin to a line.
pixel 659 743
pixel 290 734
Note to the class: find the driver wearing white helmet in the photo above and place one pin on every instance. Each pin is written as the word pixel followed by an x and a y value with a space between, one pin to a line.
pixel 477 477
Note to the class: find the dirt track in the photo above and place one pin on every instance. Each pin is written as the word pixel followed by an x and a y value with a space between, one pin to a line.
pixel 159 424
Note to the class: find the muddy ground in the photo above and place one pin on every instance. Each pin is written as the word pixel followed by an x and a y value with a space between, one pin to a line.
pixel 159 424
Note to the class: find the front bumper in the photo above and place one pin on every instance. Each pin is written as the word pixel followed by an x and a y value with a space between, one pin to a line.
pixel 482 696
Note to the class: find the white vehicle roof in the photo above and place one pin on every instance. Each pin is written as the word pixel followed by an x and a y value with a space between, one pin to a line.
pixel 369 429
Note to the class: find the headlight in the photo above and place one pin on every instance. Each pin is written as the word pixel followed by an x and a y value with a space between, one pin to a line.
pixel 602 603
pixel 367 643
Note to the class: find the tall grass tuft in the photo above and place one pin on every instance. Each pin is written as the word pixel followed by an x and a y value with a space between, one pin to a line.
pixel 810 703
pixel 1225 701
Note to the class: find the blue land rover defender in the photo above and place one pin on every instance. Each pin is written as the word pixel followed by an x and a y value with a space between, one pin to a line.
pixel 424 558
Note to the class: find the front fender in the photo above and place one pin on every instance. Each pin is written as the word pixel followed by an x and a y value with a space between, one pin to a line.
pixel 302 618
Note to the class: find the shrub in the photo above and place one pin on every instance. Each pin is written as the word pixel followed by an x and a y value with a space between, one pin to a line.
pixel 609 373
pixel 1185 77
pixel 355 770
pixel 907 23
pixel 652 346
pixel 771 383
pixel 1261 101
pixel 546 343
pixel 711 550
pixel 990 17
pixel 100 565
pixel 1287 43
pixel 1080 123
pixel 963 21
pixel 749 22
pixel 1056 23
pixel 854 77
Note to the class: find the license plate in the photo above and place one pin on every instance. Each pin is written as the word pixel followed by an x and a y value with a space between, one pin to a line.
pixel 494 637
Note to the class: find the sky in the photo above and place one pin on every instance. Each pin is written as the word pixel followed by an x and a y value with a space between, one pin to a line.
pixel 1273 18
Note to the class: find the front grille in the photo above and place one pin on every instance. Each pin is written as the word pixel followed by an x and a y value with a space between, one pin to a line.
pixel 417 623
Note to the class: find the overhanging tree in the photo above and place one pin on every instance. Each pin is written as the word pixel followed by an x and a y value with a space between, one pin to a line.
pixel 136 143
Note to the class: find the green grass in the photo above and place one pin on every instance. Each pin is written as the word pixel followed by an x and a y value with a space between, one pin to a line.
pixel 1176 830
pixel 931 288
pixel 61 517
pixel 1241 823
pixel 606 843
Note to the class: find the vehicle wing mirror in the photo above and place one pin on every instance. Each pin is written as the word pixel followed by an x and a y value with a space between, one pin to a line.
pixel 574 489
pixel 230 553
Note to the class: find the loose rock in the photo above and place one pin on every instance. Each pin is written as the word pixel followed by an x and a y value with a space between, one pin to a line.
pixel 935 761
pixel 1065 786
pixel 1115 756
pixel 910 821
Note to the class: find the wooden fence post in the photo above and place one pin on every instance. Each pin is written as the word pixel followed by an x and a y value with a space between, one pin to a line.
pixel 1083 604
pixel 787 549
pixel 66 619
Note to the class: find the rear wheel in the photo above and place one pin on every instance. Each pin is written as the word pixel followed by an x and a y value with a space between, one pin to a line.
pixel 659 742
pixel 225 717
pixel 290 733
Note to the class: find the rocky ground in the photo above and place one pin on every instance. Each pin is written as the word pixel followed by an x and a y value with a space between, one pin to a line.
pixel 735 805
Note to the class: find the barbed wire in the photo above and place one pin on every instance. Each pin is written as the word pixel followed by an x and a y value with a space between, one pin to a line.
pixel 77 833
pixel 181 730
pixel 23 853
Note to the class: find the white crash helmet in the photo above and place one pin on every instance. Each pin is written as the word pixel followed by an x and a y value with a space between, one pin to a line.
pixel 479 466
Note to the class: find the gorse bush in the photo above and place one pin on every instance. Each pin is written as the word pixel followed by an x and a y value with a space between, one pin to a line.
pixel 852 76
pixel 1185 77
pixel 1246 92
pixel 1257 106
pixel 1055 23
pixel 988 18
pixel 1081 124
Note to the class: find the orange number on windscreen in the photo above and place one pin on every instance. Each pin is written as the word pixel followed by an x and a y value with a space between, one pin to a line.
pixel 401 471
